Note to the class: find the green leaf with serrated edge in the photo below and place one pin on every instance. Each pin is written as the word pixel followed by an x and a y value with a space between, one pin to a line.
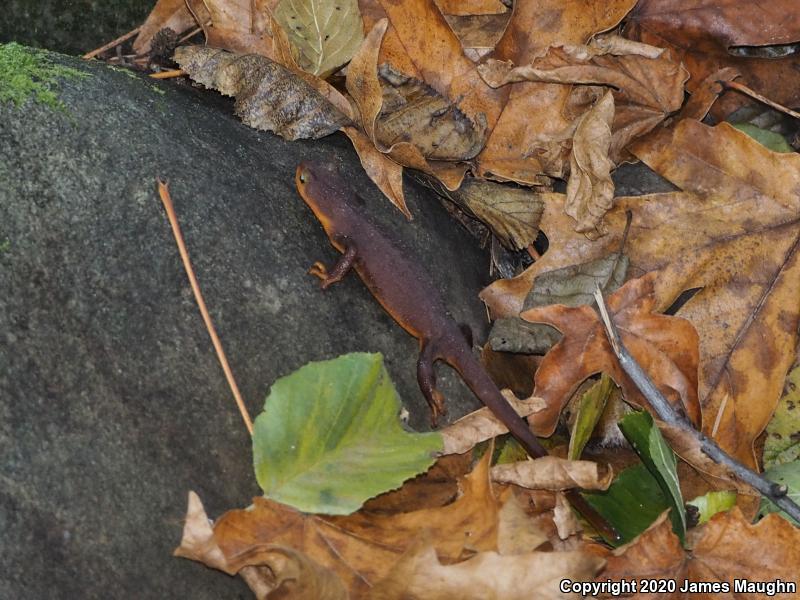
pixel 590 409
pixel 640 431
pixel 787 474
pixel 774 141
pixel 712 503
pixel 325 33
pixel 631 503
pixel 330 438
pixel 782 442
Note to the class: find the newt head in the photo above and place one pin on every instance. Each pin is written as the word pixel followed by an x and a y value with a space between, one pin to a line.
pixel 323 190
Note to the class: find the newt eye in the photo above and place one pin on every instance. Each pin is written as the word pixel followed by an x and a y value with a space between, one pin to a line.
pixel 303 176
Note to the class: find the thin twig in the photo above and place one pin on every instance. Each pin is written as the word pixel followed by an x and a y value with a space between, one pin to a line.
pixel 168 74
pixel 113 43
pixel 163 192
pixel 769 489
pixel 191 34
pixel 740 87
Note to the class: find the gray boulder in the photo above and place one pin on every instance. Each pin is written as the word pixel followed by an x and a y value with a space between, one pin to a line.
pixel 112 403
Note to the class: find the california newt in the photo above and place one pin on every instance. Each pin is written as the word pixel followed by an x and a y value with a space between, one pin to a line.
pixel 407 293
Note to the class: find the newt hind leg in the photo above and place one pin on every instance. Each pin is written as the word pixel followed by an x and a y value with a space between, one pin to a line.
pixel 426 377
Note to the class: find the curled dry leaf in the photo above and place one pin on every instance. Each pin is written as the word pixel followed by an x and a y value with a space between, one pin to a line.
pixel 564 517
pixel 725 549
pixel 325 33
pixel 666 347
pixel 482 424
pixel 532 121
pixel 420 574
pixel 590 190
pixel 268 96
pixel 702 39
pixel 554 473
pixel 745 259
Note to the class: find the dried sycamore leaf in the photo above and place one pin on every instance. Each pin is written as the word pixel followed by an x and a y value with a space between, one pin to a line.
pixel 733 232
pixel 166 13
pixel 666 347
pixel 553 473
pixel 415 113
pixel 488 575
pixel 482 425
pixel 590 190
pixel 702 38
pixel 362 548
pixel 326 33
pixel 531 136
pixel 724 550
pixel 268 96
pixel 471 7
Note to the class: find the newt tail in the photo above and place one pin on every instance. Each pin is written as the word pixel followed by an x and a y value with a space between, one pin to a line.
pixel 408 294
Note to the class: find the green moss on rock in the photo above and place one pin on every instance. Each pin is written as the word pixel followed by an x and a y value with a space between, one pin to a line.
pixel 27 73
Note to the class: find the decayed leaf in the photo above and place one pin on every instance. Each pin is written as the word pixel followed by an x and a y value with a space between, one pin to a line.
pixel 528 139
pixel 482 425
pixel 326 33
pixel 415 113
pixel 783 431
pixel 666 347
pixel 590 190
pixel 553 473
pixel 702 38
pixel 478 34
pixel 724 549
pixel 486 576
pixel 268 96
pixel 166 13
pixel 744 258
pixel 512 334
pixel 362 548
pixel 350 449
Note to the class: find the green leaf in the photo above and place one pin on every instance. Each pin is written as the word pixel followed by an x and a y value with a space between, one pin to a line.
pixel 789 475
pixel 774 141
pixel 631 503
pixel 646 439
pixel 782 444
pixel 712 503
pixel 511 451
pixel 590 409
pixel 325 33
pixel 330 438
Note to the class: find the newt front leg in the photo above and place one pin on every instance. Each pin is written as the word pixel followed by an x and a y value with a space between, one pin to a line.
pixel 340 269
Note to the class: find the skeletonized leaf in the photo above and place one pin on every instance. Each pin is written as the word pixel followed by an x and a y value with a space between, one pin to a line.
pixel 268 96
pixel 326 33
pixel 329 437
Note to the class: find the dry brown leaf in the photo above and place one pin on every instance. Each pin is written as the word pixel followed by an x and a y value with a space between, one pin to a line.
pixel 482 424
pixel 554 473
pixel 744 256
pixel 666 347
pixel 564 517
pixel 590 191
pixel 478 34
pixel 723 550
pixel 703 33
pixel 517 532
pixel 486 576
pixel 466 8
pixel 268 96
pixel 647 83
pixel 529 137
pixel 241 26
pixel 173 14
pixel 361 548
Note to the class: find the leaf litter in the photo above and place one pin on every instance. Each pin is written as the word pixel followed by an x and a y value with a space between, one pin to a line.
pixel 547 90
